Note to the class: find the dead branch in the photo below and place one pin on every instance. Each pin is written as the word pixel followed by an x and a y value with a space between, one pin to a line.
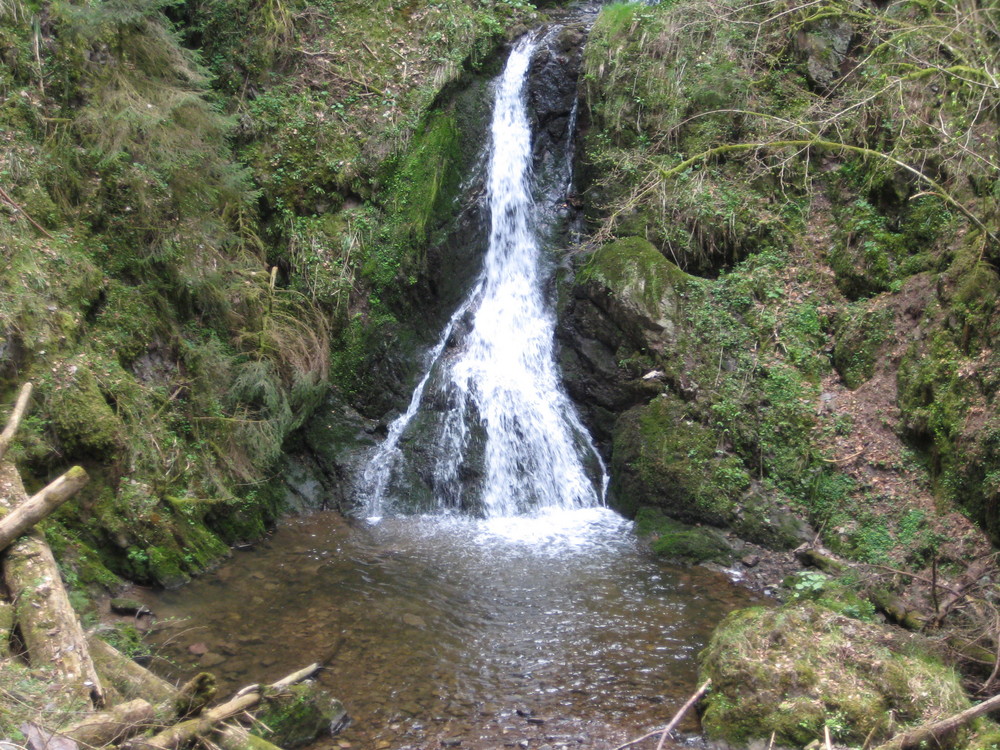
pixel 933 732
pixel 972 576
pixel 41 504
pixel 680 714
pixel 180 734
pixel 673 722
pixel 15 418
pixel 18 209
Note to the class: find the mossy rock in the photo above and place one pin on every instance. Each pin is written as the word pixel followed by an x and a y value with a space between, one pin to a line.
pixel 857 343
pixel 764 521
pixel 81 418
pixel 680 542
pixel 640 288
pixel 300 715
pixel 663 457
pixel 792 670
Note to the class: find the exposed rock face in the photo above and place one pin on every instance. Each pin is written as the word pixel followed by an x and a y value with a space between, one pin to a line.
pixel 552 92
pixel 319 473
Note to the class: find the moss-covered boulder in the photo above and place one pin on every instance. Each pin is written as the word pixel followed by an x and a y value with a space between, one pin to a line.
pixel 857 342
pixel 791 671
pixel 639 290
pixel 300 715
pixel 681 542
pixel 663 457
pixel 81 417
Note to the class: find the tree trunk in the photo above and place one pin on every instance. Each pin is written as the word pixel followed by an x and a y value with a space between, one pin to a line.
pixel 48 624
pixel 238 738
pixel 38 506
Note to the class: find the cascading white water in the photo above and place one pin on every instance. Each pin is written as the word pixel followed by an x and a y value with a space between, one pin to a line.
pixel 509 440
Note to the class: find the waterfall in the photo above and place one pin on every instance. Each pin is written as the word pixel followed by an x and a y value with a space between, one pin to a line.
pixel 489 428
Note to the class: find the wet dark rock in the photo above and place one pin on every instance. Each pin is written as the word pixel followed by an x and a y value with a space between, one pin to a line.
pixel 622 307
pixel 552 92
pixel 125 606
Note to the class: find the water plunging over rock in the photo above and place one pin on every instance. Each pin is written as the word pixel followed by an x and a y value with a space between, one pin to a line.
pixel 489 428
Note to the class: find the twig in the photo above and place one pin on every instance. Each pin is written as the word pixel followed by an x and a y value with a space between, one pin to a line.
pixel 673 722
pixel 842 460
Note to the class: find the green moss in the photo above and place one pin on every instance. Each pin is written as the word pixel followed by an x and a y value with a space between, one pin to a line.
pixel 84 423
pixel 298 716
pixel 664 458
pixel 793 670
pixel 678 541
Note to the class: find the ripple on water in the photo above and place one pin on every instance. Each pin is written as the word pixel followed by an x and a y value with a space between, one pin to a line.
pixel 494 632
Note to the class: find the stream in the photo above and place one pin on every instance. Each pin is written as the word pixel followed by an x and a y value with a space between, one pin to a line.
pixel 489 599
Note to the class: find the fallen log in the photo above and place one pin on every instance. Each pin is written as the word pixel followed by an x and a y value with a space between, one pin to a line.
pixel 128 678
pixel 929 735
pixel 48 624
pixel 235 737
pixel 894 608
pixel 26 514
pixel 112 726
pixel 20 406
pixel 814 558
pixel 181 734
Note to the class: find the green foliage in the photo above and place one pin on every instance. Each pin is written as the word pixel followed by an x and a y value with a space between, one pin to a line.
pixel 126 639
